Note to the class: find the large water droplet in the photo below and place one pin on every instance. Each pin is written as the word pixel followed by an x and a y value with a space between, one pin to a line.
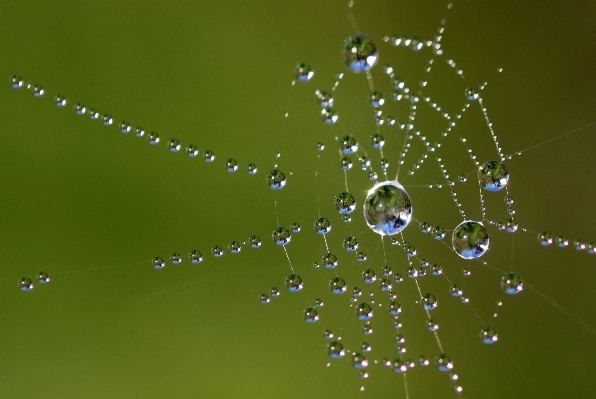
pixel 294 283
pixel 387 208
pixel 335 350
pixel 493 175
pixel 348 145
pixel 470 240
pixel 359 361
pixel 281 235
pixel 512 283
pixel 429 301
pixel 276 179
pixel 345 203
pixel 43 278
pixel 310 315
pixel 337 285
pixel 25 284
pixel 364 311
pixel 359 53
pixel 322 225
pixel 329 260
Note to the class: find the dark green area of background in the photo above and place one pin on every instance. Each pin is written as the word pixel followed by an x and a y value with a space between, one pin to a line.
pixel 92 206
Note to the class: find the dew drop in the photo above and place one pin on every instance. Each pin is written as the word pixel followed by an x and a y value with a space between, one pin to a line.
pixel 174 145
pixel 208 156
pixel 359 361
pixel 471 94
pixel 329 115
pixel 337 285
pixel 234 247
pixel 429 301
pixel 294 283
pixel 254 241
pixel 443 362
pixel 38 91
pixel 80 109
pixel 561 241
pixel 281 236
pixel 16 82
pixel 60 100
pixel 195 256
pixel 470 240
pixel 158 262
pixel 350 244
pixel 322 225
pixel 335 350
pixel 192 150
pixel 231 165
pixel 512 283
pixel 438 233
pixel 369 276
pixel 176 258
pixel 328 334
pixel 376 99
pixel 303 72
pixel 387 208
pixel 348 145
pixel 153 138
pixel 43 278
pixel 264 299
pixel 377 140
pixel 25 284
pixel 425 227
pixel 359 53
pixel 488 335
pixel 493 176
pixel 217 251
pixel 364 311
pixel 276 179
pixel 251 169
pixel 107 119
pixel 310 315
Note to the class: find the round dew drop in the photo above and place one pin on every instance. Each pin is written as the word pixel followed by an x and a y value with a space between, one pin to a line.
pixel 364 311
pixel 387 208
pixel 345 203
pixel 443 362
pixel 25 284
pixel 281 236
pixel 276 179
pixel 310 315
pixel 348 145
pixel 359 53
pixel 322 225
pixel 493 176
pixel 294 283
pixel 512 283
pixel 488 335
pixel 337 285
pixel 470 240
pixel 43 278
pixel 335 350
pixel 303 72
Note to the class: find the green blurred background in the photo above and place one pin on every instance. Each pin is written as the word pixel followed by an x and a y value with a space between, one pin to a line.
pixel 92 206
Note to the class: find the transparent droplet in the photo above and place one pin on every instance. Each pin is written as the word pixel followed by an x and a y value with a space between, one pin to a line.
pixel 512 283
pixel 25 284
pixel 320 146
pixel 365 347
pixel 335 350
pixel 443 362
pixel 217 251
pixel 93 114
pixel 394 308
pixel 158 262
pixel 345 203
pixel 361 256
pixel 38 91
pixel 176 258
pixel 359 361
pixel 254 241
pixel 429 301
pixel 276 179
pixel 387 271
pixel 329 260
pixel 350 244
pixel 436 270
pixel 376 99
pixel 383 164
pixel 310 315
pixel 322 225
pixel 234 247
pixel 398 366
pixel 432 325
pixel 579 245
pixel 328 334
pixel 80 109
pixel 438 233
pixel 43 278
pixel 329 115
pixel 462 178
pixel 455 290
pixel 208 156
pixel 372 175
pixel 264 298
pixel 124 127
pixel 377 140
pixel 153 138
pixel 425 227
pixel 387 208
pixel 369 276
pixel 561 241
pixel 337 285
pixel 488 335
pixel 281 236
pixel 16 82
pixel 319 303
pixel 139 132
pixel 231 165
pixel 174 145
pixel 367 329
pixel 294 283
pixel 60 100
pixel 385 284
pixel 508 199
pixel 470 239
pixel 274 292
pixel 466 272
pixel 192 150
pixel 359 53
pixel 324 99
pixel 303 72
pixel 195 256
pixel 348 145
pixel 107 119
pixel 471 93
pixel 345 163
pixel 251 169
pixel 364 311
pixel 493 176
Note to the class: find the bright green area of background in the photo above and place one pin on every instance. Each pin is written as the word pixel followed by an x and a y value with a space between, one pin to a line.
pixel 92 206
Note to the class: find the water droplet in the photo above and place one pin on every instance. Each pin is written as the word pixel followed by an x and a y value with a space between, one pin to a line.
pixel 16 82
pixel 383 164
pixel 192 150
pixel 466 272
pixel 369 276
pixel 107 119
pixel 350 244
pixel 561 241
pixel 328 334
pixel 281 236
pixel 488 335
pixel 294 283
pixel 429 301
pixel 264 298
pixel 361 256
pixel 158 262
pixel 399 366
pixel 335 350
pixel 303 72
pixel 376 99
pixel 43 278
pixel 508 199
pixel 345 163
pixel 254 241
pixel 276 179
pixel 385 284
pixel 425 227
pixel 124 127
pixel 394 308
pixel 234 247
pixel 329 260
pixel 455 290
pixel 359 53
pixel 387 271
pixel 38 91
pixel 387 208
pixel 174 145
pixel 372 175
pixel 443 362
pixel 436 270
pixel 512 283
pixel 320 146
pixel 217 251
pixel 251 169
pixel 176 258
pixel 329 115
pixel 438 233
pixel 579 245
pixel 195 256
pixel 153 138
pixel 310 315
pixel 80 108
pixel 25 284
pixel 322 225
pixel 470 240
pixel 337 285
pixel 139 132
pixel 462 178
pixel 471 94
pixel 377 140
pixel 93 114
pixel 423 361
pixel 348 145
pixel 397 278
pixel 60 100
pixel 364 311
pixel 208 156
pixel 493 175
pixel 359 361
pixel 324 99
pixel 274 292
pixel 432 325
pixel 367 329
pixel 231 165
pixel 319 303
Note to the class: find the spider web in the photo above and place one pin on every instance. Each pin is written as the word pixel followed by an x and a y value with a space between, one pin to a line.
pixel 91 206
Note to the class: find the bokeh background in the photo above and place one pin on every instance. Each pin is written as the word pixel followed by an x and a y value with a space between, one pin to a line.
pixel 92 206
